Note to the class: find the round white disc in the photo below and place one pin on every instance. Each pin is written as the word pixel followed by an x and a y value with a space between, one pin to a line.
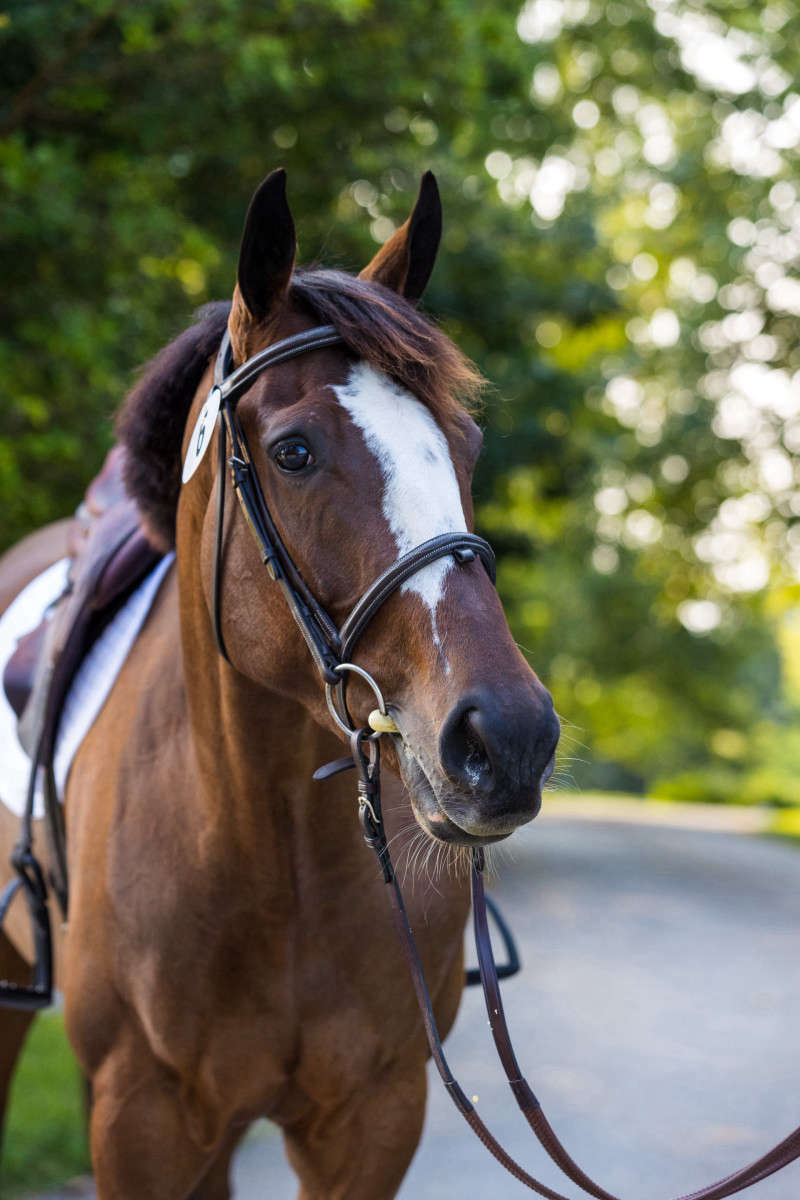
pixel 201 434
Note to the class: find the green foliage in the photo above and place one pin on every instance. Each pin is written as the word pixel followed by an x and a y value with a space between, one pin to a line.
pixel 707 785
pixel 45 1139
pixel 620 214
pixel 786 824
pixel 771 785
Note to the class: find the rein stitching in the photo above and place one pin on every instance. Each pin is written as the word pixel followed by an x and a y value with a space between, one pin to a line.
pixel 330 648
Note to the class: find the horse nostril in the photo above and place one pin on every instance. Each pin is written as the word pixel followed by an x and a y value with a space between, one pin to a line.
pixel 497 752
pixel 462 751
pixel 477 764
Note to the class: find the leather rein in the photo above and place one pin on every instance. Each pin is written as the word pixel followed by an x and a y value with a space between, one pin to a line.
pixel 330 648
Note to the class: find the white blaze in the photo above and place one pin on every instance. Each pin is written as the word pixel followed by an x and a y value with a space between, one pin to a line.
pixel 421 498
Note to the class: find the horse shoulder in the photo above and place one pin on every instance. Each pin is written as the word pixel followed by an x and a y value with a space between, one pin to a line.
pixel 124 771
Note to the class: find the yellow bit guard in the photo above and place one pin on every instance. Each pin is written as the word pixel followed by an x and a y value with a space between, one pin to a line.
pixel 381 722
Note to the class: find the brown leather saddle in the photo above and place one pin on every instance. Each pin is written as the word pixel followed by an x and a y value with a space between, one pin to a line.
pixel 109 555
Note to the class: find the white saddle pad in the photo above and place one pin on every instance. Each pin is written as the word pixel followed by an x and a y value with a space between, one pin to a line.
pixel 89 689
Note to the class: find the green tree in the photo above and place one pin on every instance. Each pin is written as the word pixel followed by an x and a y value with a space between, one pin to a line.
pixel 621 218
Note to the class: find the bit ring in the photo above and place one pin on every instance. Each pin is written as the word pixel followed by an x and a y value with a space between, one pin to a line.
pixel 365 675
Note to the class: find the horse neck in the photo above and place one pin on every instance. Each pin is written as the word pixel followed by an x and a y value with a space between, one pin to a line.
pixel 255 753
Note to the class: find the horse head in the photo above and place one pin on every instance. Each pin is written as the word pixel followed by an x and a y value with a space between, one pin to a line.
pixel 362 451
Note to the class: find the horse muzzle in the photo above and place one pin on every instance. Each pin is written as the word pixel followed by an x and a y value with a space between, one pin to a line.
pixel 492 760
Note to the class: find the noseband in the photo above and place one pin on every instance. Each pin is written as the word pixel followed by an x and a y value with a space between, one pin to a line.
pixel 330 647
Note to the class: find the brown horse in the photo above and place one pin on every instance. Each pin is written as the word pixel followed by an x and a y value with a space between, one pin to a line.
pixel 229 952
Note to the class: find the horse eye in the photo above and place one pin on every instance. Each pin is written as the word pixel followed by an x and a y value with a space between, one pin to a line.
pixel 293 455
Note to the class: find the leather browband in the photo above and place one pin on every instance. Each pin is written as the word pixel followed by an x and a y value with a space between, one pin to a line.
pixel 232 383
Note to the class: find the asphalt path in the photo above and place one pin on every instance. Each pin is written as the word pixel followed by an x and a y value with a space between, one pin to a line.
pixel 656 1017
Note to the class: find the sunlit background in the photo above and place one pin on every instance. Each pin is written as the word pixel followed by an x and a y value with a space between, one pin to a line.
pixel 622 216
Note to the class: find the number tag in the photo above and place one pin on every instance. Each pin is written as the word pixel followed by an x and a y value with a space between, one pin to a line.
pixel 201 434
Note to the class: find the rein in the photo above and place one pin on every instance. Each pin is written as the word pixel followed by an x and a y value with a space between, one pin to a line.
pixel 330 649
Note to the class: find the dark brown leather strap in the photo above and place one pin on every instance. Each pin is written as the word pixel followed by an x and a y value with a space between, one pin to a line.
pixel 219 539
pixel 463 547
pixel 780 1156
pixel 313 622
pixel 368 768
pixel 232 383
pixel 454 1090
pixel 365 749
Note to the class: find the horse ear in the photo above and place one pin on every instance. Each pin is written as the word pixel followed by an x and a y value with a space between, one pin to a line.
pixel 266 258
pixel 405 262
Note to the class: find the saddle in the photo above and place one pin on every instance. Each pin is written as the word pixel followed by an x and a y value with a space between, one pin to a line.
pixel 109 555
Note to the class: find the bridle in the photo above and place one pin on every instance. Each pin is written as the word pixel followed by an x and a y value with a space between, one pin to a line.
pixel 330 648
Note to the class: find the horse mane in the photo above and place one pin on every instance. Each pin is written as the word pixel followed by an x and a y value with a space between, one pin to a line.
pixel 152 419
pixel 375 324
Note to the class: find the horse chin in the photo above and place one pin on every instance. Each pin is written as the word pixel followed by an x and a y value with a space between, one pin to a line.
pixel 429 811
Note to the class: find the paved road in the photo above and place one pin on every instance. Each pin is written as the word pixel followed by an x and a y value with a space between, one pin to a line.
pixel 656 1017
